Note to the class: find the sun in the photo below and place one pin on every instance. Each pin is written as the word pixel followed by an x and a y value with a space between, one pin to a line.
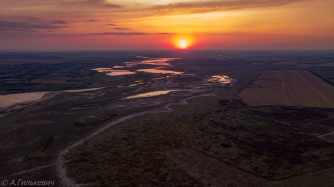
pixel 183 42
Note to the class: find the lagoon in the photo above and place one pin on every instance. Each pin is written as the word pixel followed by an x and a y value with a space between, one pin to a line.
pixel 112 72
pixel 151 94
pixel 160 71
pixel 224 79
pixel 10 99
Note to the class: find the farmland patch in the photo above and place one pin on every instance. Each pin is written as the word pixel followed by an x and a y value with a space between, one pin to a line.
pixel 289 88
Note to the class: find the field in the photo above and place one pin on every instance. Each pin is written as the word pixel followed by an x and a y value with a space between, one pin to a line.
pixel 289 88
pixel 213 172
pixel 304 66
pixel 329 65
pixel 51 80
pixel 285 63
pixel 218 136
pixel 92 120
pixel 214 141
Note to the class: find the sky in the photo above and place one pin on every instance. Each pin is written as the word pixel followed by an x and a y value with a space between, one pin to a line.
pixel 73 25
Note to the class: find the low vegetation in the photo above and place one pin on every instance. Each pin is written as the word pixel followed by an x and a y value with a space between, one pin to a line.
pixel 42 150
pixel 257 140
pixel 87 121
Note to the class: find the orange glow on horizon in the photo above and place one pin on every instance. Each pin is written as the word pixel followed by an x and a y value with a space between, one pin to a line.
pixel 183 42
pixel 166 25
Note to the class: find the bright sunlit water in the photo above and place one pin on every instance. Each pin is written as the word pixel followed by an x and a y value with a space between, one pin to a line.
pixel 10 99
pixel 220 78
pixel 160 71
pixel 151 94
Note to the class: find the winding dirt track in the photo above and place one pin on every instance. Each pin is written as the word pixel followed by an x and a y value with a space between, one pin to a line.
pixel 27 171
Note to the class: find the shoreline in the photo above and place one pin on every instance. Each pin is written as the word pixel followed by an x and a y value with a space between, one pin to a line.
pixel 47 95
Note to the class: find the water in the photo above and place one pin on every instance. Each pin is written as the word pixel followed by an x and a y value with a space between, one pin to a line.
pixel 83 90
pixel 151 94
pixel 160 71
pixel 112 72
pixel 119 71
pixel 224 79
pixel 10 99
pixel 154 61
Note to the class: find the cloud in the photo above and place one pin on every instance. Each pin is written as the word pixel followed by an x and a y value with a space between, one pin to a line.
pixel 126 33
pixel 208 6
pixel 23 26
pixel 59 22
pixel 121 33
pixel 108 33
pixel 118 33
pixel 166 33
pixel 47 7
pixel 101 3
pixel 120 28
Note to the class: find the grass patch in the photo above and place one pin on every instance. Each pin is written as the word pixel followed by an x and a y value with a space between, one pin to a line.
pixel 87 121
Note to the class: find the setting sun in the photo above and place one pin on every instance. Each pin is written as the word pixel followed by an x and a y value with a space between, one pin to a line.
pixel 182 42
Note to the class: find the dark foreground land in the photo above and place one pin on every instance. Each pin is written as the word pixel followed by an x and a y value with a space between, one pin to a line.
pixel 204 135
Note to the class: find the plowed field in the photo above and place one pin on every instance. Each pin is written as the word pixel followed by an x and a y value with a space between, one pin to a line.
pixel 212 172
pixel 289 88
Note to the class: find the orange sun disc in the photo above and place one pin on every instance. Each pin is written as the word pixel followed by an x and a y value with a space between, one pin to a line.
pixel 182 42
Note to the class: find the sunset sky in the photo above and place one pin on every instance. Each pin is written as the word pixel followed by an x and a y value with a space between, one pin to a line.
pixel 62 25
